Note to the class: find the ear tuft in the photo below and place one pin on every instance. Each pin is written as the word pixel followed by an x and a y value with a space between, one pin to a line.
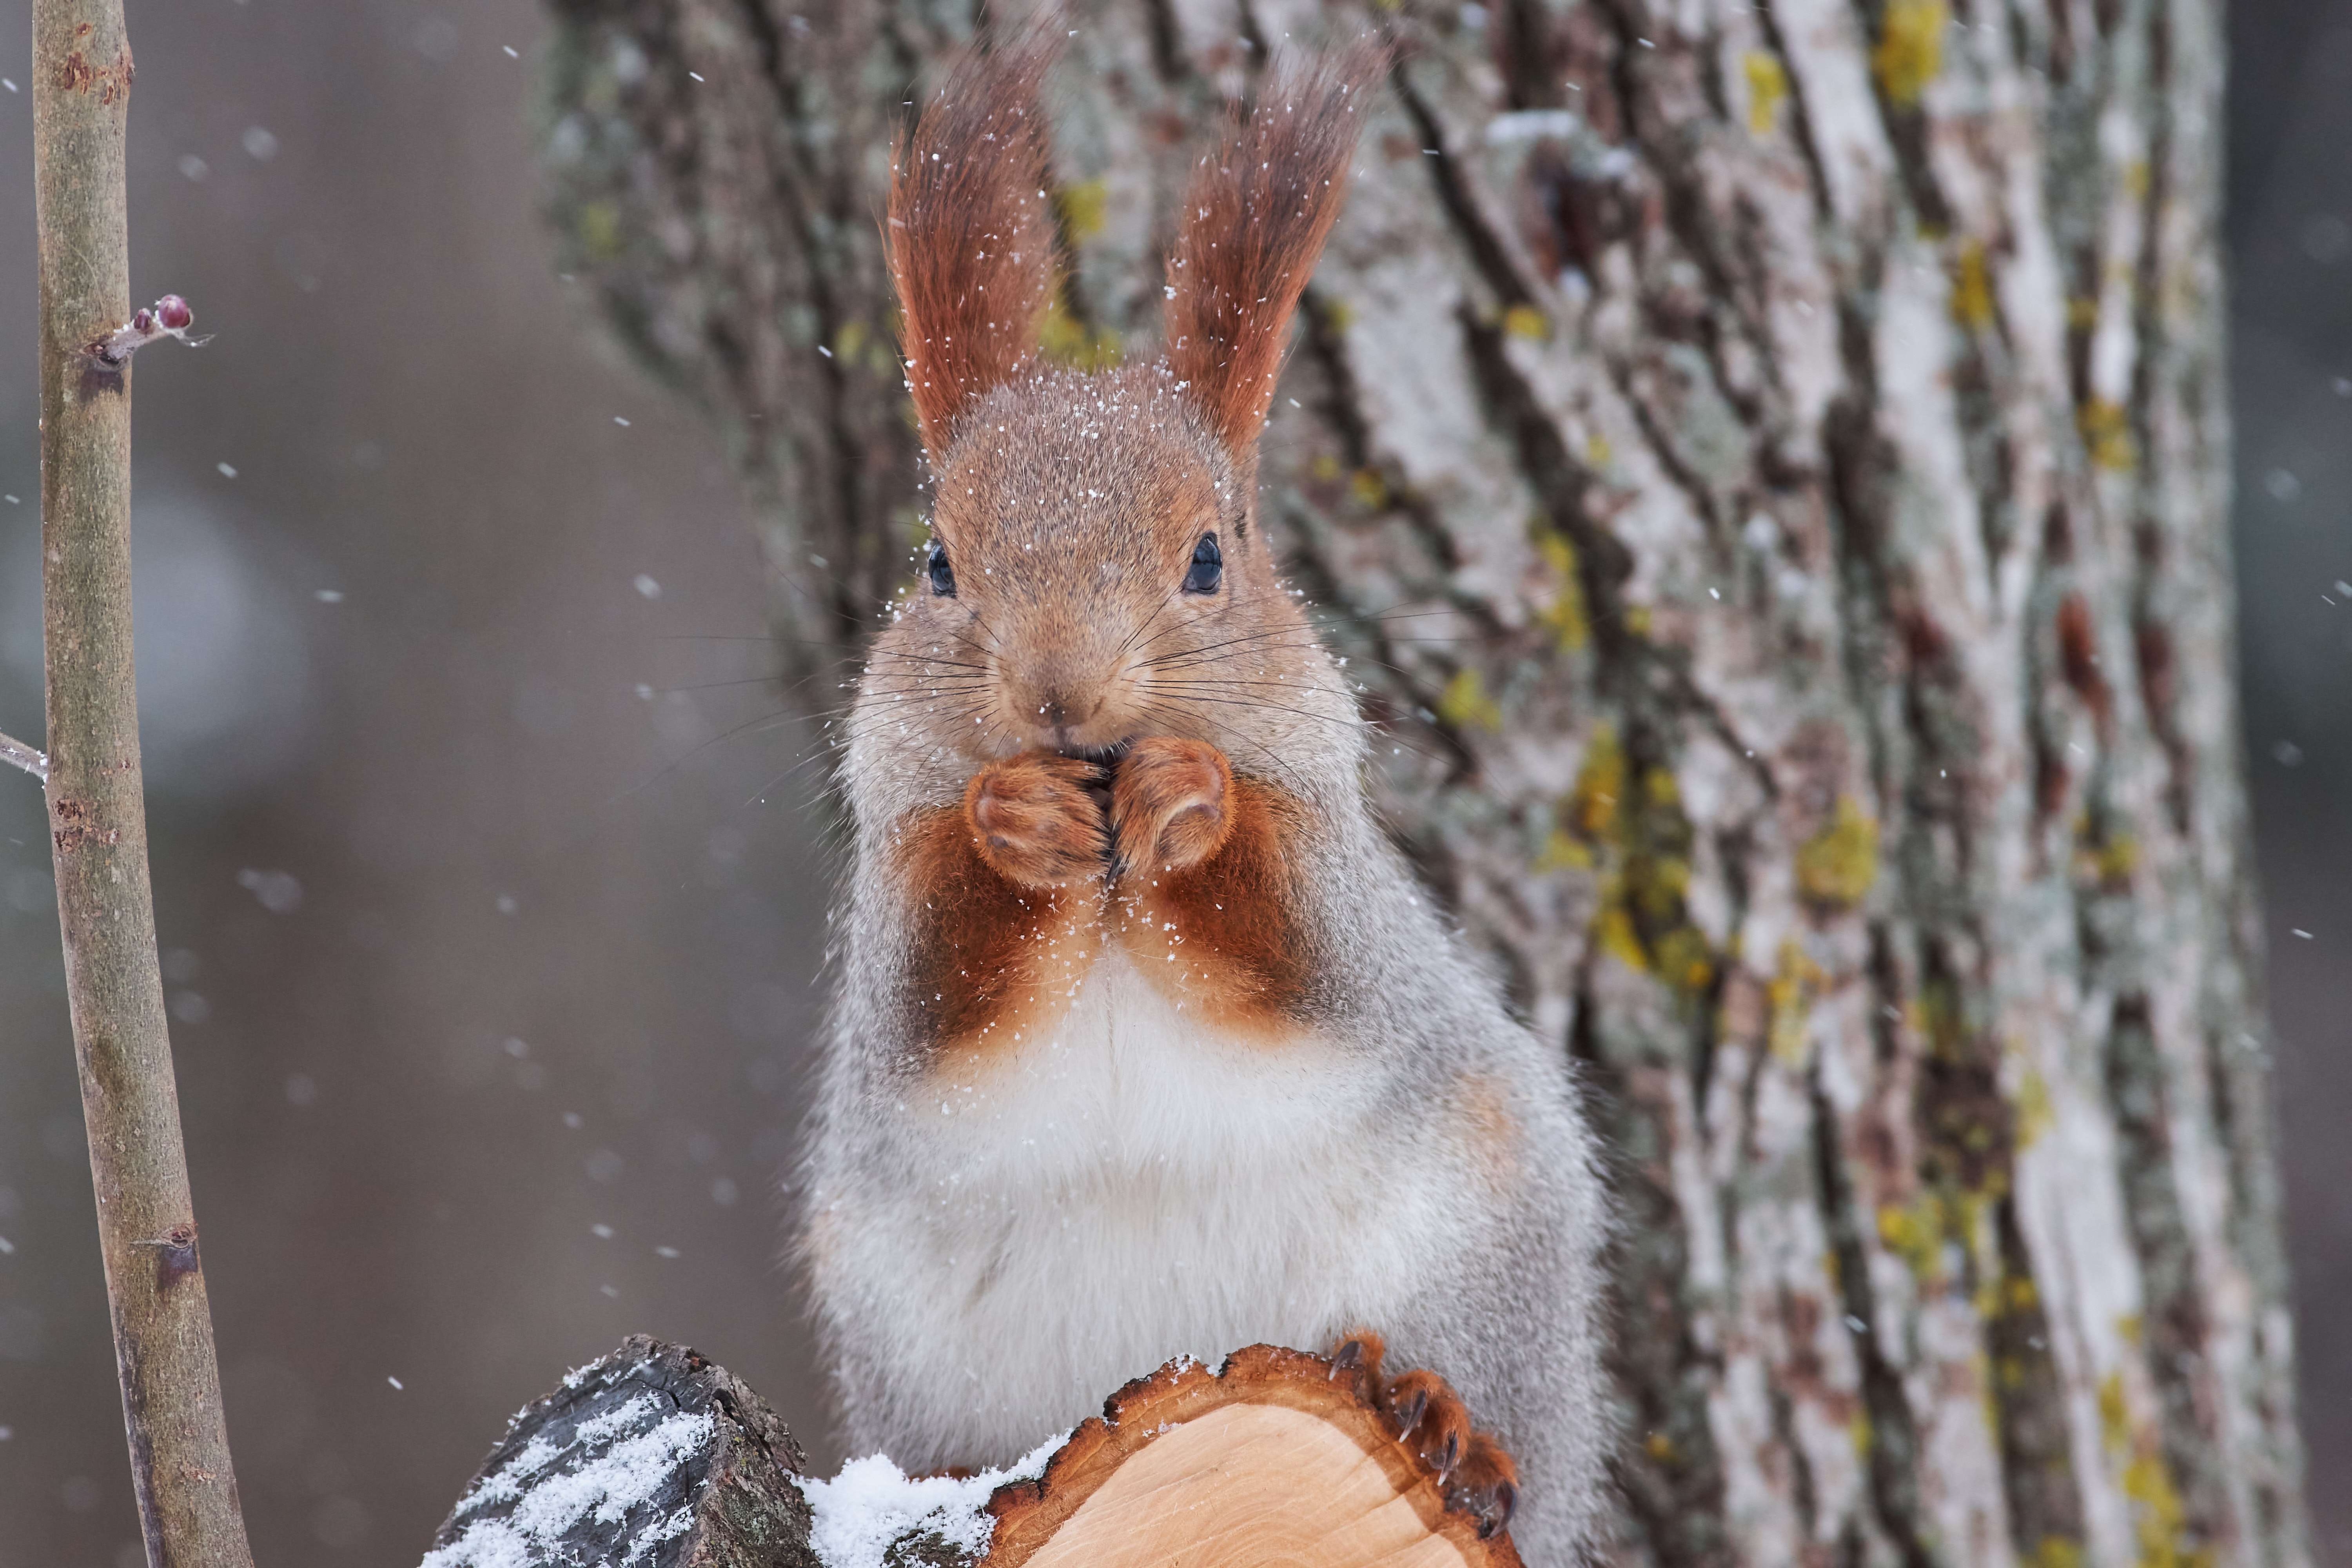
pixel 969 234
pixel 1255 219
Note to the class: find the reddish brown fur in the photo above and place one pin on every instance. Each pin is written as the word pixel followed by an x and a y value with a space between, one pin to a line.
pixel 1034 821
pixel 1478 1477
pixel 1168 808
pixel 1012 909
pixel 1486 1485
pixel 992 960
pixel 1242 959
pixel 970 242
pixel 1430 1419
pixel 1254 222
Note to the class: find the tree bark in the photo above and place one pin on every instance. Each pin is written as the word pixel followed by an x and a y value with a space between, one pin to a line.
pixel 155 1279
pixel 1768 468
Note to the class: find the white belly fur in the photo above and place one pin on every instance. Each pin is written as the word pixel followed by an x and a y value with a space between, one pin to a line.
pixel 1092 1203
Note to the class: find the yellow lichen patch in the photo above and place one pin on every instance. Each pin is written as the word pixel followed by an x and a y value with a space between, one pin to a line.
pixel 1599 784
pixel 2106 435
pixel 1685 958
pixel 1984 1374
pixel 1910 49
pixel 1597 451
pixel 1081 208
pixel 1858 1431
pixel 2130 1327
pixel 2004 1294
pixel 1919 1232
pixel 1325 467
pixel 2137 179
pixel 849 338
pixel 2034 1114
pixel 1467 705
pixel 1768 88
pixel 1527 321
pixel 1632 830
pixel 1637 619
pixel 1371 492
pixel 2058 1551
pixel 1065 339
pixel 1837 866
pixel 1618 939
pixel 2082 313
pixel 1789 995
pixel 1338 314
pixel 1571 627
pixel 1972 287
pixel 1659 1446
pixel 2160 1517
pixel 2115 1420
pixel 599 230
pixel 1562 852
pixel 1915 1233
pixel 2109 861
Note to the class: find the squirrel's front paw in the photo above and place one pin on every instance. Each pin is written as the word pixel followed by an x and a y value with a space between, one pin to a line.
pixel 1475 1475
pixel 1171 802
pixel 1036 820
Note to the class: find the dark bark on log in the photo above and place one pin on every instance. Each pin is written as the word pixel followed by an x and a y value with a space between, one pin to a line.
pixel 1801 431
pixel 652 1458
pixel 155 1290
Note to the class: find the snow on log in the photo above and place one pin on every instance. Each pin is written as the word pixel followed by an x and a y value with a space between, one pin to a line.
pixel 653 1458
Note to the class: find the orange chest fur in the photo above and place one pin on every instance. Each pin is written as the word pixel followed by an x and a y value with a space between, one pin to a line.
pixel 995 966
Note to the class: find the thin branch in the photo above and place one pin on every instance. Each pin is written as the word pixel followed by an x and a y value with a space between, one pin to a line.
pixel 18 755
pixel 186 1492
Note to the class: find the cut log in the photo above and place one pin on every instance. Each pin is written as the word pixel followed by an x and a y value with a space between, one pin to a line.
pixel 1278 1456
pixel 653 1458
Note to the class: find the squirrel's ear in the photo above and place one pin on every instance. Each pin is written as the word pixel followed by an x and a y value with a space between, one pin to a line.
pixel 970 237
pixel 1255 218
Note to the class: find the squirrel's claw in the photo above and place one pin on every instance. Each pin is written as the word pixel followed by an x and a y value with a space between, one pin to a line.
pixel 1474 1475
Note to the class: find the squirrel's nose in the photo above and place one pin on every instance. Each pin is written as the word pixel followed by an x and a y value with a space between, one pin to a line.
pixel 1061 711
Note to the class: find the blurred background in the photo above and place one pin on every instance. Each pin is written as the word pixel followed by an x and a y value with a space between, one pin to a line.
pixel 489 889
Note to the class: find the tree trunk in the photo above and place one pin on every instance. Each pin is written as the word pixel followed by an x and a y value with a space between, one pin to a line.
pixel 1768 468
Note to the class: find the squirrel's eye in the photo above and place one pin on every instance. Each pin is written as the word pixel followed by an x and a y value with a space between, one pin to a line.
pixel 942 575
pixel 1208 567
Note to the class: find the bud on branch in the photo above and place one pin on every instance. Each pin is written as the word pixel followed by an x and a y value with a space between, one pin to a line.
pixel 168 317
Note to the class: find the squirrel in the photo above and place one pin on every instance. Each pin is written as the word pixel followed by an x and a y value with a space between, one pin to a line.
pixel 1146 1042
